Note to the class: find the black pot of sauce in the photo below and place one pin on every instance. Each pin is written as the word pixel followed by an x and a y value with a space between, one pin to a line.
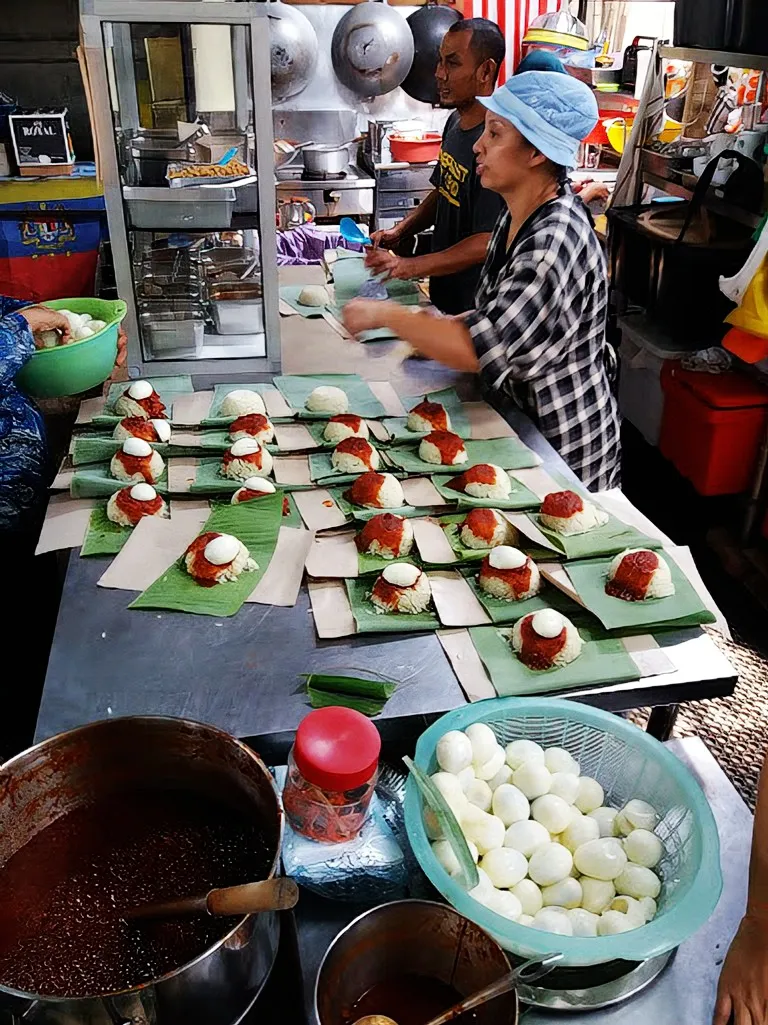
pixel 114 814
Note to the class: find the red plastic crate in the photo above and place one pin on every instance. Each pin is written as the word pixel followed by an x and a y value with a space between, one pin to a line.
pixel 712 428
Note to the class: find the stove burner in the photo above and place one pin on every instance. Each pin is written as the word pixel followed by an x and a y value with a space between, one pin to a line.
pixel 323 176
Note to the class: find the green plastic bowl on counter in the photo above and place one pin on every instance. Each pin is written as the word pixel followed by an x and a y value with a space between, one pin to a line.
pixel 77 366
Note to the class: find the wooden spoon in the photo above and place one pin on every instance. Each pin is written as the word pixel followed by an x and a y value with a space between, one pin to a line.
pixel 529 972
pixel 248 899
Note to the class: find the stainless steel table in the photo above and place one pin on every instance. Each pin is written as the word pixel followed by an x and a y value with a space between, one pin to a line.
pixel 242 673
pixel 684 994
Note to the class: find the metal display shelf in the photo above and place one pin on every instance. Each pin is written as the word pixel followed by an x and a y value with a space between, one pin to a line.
pixel 725 57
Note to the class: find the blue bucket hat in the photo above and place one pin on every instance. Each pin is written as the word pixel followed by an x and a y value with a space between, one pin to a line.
pixel 553 112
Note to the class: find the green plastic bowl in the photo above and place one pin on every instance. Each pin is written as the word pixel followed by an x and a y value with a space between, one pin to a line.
pixel 78 366
pixel 629 763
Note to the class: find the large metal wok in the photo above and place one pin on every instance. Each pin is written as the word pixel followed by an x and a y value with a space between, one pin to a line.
pixel 372 49
pixel 293 50
pixel 94 762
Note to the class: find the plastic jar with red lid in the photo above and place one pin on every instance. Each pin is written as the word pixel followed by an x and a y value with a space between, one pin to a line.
pixel 332 771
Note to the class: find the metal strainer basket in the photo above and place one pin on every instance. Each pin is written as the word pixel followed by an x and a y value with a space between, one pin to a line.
pixel 628 763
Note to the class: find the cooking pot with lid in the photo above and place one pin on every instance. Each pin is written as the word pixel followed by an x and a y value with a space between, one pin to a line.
pixel 97 763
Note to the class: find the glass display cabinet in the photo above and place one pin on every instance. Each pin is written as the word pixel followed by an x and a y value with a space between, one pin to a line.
pixel 180 101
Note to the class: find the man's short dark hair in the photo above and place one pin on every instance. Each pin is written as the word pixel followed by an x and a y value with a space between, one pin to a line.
pixel 487 42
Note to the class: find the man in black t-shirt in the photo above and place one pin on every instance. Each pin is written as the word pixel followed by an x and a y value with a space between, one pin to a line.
pixel 461 211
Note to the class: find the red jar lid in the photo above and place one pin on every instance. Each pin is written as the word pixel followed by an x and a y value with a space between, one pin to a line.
pixel 336 749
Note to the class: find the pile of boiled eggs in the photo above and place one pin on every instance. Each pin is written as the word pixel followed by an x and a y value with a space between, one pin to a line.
pixel 550 854
pixel 81 325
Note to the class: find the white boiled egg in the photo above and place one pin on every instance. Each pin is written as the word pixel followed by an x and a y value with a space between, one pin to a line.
pixel 527 837
pixel 565 785
pixel 557 759
pixel 526 920
pixel 549 920
pixel 143 493
pixel 401 574
pixel 638 814
pixel 483 741
pixel 450 788
pixel 596 894
pixel 583 923
pixel 480 794
pixel 454 752
pixel 630 907
pixel 266 487
pixel 638 881
pixel 510 804
pixel 579 831
pixel 465 777
pixel 614 922
pixel 589 795
pixel 550 864
pixel 565 894
pixel 140 390
pixel 483 889
pixel 552 812
pixel 605 819
pixel 221 550
pixel 504 775
pixel 505 867
pixel 644 848
pixel 506 557
pixel 648 904
pixel 162 429
pixel 529 895
pixel 487 770
pixel 600 859
pixel 484 830
pixel 504 903
pixel 533 778
pixel 137 447
pixel 443 851
pixel 520 751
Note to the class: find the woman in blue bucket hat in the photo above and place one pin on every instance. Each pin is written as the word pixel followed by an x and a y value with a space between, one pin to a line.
pixel 537 333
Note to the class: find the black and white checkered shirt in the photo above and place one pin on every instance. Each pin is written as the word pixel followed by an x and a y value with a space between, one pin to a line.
pixel 539 332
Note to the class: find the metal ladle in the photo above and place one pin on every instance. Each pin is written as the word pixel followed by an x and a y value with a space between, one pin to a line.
pixel 530 971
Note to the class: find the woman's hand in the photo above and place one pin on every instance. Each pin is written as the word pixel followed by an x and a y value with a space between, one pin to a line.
pixel 364 315
pixel 381 261
pixel 742 995
pixel 40 318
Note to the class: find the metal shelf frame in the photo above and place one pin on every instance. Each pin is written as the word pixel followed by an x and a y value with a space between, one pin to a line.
pixel 724 57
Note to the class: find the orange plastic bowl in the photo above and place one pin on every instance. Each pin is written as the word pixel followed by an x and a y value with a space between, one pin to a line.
pixel 415 151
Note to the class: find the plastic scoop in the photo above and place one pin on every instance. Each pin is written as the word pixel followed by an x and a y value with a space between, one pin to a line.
pixel 248 899
pixel 353 233
pixel 528 972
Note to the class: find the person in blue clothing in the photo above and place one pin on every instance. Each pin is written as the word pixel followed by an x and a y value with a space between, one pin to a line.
pixel 23 449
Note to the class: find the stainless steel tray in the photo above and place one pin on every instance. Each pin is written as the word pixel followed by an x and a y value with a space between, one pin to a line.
pixel 199 208
pixel 238 316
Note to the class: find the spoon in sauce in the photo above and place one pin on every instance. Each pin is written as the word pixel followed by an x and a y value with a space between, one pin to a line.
pixel 248 899
pixel 529 972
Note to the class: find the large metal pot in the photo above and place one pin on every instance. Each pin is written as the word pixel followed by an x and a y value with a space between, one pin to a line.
pixel 293 50
pixel 96 761
pixel 372 49
pixel 411 937
pixel 428 25
pixel 326 158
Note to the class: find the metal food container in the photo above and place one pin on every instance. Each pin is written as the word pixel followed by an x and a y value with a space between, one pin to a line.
pixel 231 259
pixel 173 329
pixel 237 307
pixel 201 208
pixel 73 769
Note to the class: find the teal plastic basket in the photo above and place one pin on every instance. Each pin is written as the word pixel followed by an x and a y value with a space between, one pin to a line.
pixel 628 763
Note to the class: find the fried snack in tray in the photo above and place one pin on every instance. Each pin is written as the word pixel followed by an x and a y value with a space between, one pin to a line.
pixel 233 169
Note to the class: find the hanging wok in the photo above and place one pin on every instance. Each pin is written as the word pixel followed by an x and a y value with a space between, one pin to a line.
pixel 293 50
pixel 428 26
pixel 372 49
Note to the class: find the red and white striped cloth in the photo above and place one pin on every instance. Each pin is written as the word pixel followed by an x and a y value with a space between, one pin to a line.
pixel 513 18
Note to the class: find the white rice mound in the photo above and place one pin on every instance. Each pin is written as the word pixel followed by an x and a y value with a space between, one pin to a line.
pixel 242 563
pixel 661 585
pixel 590 517
pixel 336 432
pixel 406 544
pixel 313 295
pixel 497 491
pixel 431 454
pixel 347 462
pixel 573 642
pixel 241 469
pixel 327 399
pixel 241 402
pixel 391 493
pixel 266 487
pixel 264 437
pixel 419 425
pixel 413 598
pixel 501 532
pixel 496 587
pixel 116 515
pixel 121 433
pixel 156 467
